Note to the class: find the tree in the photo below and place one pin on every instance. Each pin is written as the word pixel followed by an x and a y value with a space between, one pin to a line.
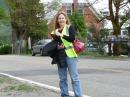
pixel 119 13
pixel 78 21
pixel 92 35
pixel 4 25
pixel 2 13
pixel 117 19
pixel 25 18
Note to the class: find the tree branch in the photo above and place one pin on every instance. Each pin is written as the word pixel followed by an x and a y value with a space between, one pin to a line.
pixel 111 10
pixel 106 17
pixel 127 17
pixel 91 4
pixel 123 4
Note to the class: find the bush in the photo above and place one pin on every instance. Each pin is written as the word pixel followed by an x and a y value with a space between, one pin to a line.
pixel 125 49
pixel 5 49
pixel 25 50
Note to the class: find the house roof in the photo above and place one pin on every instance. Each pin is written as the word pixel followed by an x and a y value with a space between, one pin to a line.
pixel 50 15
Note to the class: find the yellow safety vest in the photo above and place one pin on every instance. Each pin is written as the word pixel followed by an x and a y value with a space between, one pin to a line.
pixel 70 52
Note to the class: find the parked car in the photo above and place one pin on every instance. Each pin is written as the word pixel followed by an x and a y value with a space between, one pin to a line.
pixel 92 47
pixel 38 47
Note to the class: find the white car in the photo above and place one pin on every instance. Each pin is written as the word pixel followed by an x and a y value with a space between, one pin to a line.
pixel 38 47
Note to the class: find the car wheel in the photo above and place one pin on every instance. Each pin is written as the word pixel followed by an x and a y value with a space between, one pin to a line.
pixel 33 54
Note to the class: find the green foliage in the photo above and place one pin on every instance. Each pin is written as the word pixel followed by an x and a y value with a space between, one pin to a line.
pixel 92 35
pixel 78 21
pixel 5 27
pixel 27 20
pixel 124 18
pixel 40 31
pixel 26 16
pixel 20 87
pixel 2 13
pixel 55 4
pixel 5 37
pixel 104 32
pixel 5 48
pixel 4 17
pixel 5 32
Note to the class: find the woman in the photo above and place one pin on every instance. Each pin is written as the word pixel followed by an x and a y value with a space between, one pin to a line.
pixel 64 34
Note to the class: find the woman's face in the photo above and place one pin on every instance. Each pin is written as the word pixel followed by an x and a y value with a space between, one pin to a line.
pixel 61 20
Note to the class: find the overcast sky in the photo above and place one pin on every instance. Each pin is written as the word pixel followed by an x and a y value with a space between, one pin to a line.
pixel 99 5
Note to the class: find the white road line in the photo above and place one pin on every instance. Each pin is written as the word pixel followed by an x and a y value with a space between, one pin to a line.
pixel 52 88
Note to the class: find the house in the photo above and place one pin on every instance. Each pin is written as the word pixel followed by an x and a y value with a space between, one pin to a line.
pixel 84 8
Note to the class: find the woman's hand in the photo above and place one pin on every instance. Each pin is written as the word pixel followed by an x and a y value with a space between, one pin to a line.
pixel 58 34
pixel 61 46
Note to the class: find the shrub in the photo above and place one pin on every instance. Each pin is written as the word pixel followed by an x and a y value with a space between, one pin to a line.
pixel 125 49
pixel 5 49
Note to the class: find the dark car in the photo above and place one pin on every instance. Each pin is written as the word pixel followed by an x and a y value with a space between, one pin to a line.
pixel 38 47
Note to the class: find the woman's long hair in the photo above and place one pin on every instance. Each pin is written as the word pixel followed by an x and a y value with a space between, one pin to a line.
pixel 56 21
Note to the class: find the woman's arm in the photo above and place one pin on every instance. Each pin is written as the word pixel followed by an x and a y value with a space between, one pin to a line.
pixel 55 37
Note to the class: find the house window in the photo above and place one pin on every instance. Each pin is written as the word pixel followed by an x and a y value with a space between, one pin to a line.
pixel 124 32
pixel 69 10
pixel 80 9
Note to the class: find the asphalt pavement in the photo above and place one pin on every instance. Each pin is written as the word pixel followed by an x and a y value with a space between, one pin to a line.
pixel 99 77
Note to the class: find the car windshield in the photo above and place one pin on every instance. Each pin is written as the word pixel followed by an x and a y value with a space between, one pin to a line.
pixel 44 41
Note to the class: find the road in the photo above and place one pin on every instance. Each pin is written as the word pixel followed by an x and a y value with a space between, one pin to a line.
pixel 99 78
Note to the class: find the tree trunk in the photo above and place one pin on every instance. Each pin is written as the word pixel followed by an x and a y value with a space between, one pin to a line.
pixel 14 39
pixel 116 49
pixel 116 46
pixel 17 44
pixel 17 40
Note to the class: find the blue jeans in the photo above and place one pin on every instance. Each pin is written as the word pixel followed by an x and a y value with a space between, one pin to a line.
pixel 72 68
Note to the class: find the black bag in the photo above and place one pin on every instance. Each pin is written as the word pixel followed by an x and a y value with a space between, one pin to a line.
pixel 57 55
pixel 49 48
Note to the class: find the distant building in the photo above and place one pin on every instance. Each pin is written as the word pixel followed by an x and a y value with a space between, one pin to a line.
pixel 82 6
